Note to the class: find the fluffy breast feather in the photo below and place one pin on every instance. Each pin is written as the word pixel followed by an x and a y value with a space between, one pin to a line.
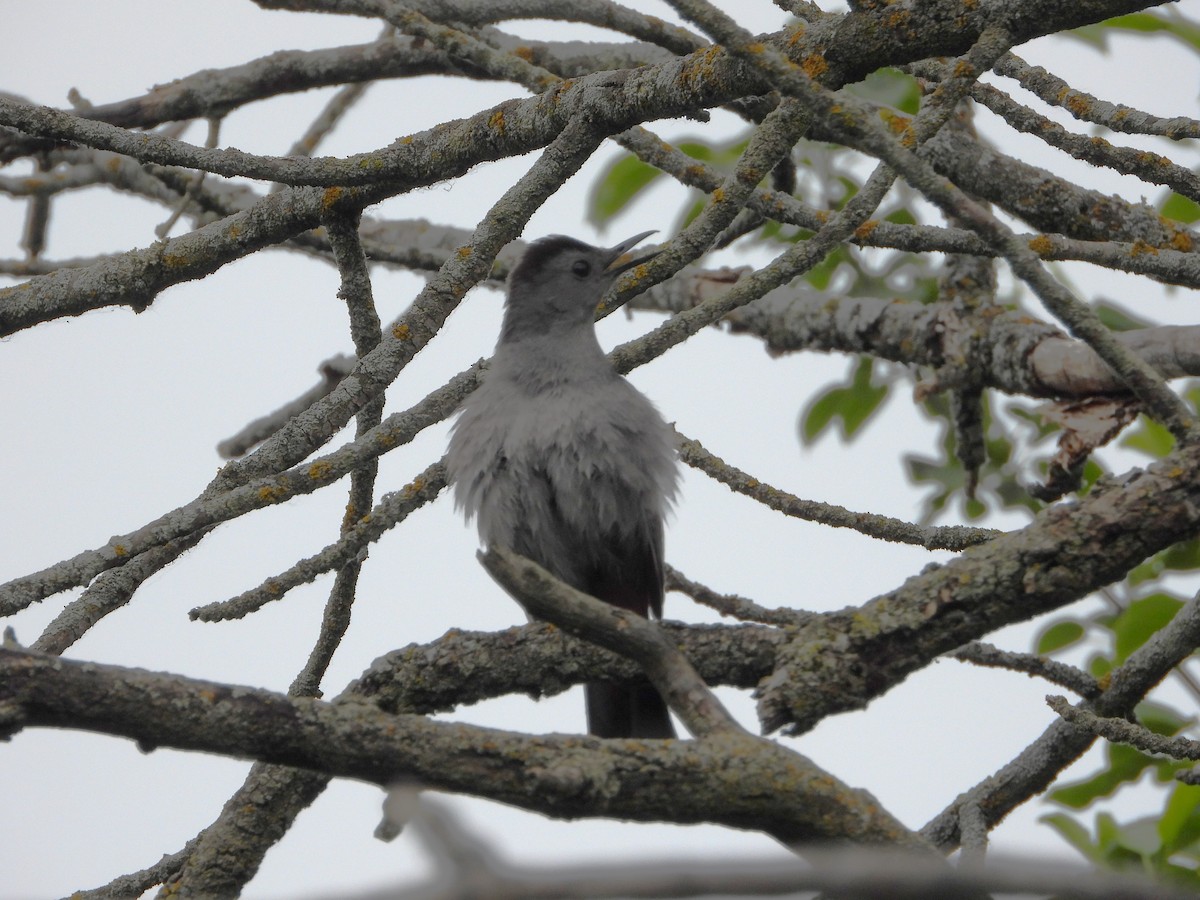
pixel 598 451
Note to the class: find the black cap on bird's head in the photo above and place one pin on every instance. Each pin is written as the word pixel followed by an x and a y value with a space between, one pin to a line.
pixel 559 281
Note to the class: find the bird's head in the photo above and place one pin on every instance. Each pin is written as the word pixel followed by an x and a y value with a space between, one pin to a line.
pixel 559 282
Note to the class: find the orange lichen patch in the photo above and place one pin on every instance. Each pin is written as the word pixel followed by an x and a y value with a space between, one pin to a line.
pixel 464 251
pixel 234 230
pixel 407 139
pixel 1182 241
pixel 863 231
pixel 898 124
pixel 751 175
pixel 114 164
pixel 754 48
pixel 823 216
pixel 718 195
pixel 1078 105
pixel 814 65
pixel 963 69
pixel 1041 245
pixel 330 197
pixel 176 260
pixel 1140 247
pixel 794 35
pixel 525 53
pixel 401 332
pixel 349 517
pixel 496 121
pixel 120 550
pixel 699 66
pixel 970 4
pixel 320 469
pixel 557 92
pixel 1152 159
pixel 414 487
pixel 272 492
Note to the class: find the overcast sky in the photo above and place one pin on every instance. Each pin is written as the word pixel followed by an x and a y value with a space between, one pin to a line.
pixel 109 420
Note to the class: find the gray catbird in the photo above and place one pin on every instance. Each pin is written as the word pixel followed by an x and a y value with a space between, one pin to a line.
pixel 563 461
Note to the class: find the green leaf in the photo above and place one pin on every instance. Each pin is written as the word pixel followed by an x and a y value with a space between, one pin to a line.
pixel 1162 720
pixel 851 405
pixel 1143 23
pixel 1149 437
pixel 1182 557
pixel 1099 666
pixel 1141 620
pixel 1092 472
pixel 691 212
pixel 998 447
pixel 1134 842
pixel 901 216
pixel 1179 825
pixel 821 274
pixel 1042 427
pixel 615 188
pixel 622 181
pixel 891 87
pixel 1059 635
pixel 1180 208
pixel 1124 765
pixel 1074 834
pixel 718 154
pixel 1119 319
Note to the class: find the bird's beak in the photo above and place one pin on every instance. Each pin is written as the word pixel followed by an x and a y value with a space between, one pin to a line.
pixel 617 264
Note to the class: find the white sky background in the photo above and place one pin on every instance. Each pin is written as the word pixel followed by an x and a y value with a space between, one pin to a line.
pixel 107 420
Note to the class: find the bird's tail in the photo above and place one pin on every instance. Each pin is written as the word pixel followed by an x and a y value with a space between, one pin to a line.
pixel 621 710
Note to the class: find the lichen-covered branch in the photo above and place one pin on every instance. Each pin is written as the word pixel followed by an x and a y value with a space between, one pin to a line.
pixel 715 779
pixel 842 661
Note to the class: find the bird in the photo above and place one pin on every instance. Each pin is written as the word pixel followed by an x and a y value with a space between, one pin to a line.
pixel 560 459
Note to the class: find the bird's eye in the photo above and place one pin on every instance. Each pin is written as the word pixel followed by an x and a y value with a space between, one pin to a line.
pixel 582 268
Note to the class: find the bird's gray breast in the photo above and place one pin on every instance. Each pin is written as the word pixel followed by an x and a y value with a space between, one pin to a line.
pixel 558 474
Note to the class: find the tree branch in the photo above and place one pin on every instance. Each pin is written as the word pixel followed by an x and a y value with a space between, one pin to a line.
pixel 1068 551
pixel 712 780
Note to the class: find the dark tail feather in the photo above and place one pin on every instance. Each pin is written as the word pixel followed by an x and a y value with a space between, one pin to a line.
pixel 618 710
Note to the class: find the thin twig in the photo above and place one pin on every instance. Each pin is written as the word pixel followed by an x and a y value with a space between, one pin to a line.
pixel 1120 731
pixel 1070 677
pixel 947 537
pixel 1035 767
pixel 733 605
pixel 391 510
